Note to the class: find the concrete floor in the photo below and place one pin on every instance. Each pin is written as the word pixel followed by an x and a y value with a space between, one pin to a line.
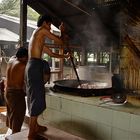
pixel 51 134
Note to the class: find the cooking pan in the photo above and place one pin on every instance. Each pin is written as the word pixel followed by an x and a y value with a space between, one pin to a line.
pixel 71 87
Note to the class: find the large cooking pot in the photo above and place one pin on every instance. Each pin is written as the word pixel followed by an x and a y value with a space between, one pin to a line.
pixel 71 86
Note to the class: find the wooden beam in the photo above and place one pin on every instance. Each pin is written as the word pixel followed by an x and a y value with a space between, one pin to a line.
pixel 60 46
pixel 23 22
pixel 132 46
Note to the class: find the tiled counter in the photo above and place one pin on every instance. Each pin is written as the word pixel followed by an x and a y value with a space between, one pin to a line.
pixel 83 116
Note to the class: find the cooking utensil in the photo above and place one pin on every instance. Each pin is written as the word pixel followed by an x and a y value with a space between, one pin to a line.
pixel 66 42
pixel 104 102
pixel 74 67
pixel 71 87
pixel 118 97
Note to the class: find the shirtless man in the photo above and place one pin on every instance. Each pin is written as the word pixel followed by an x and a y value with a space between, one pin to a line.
pixel 14 90
pixel 34 72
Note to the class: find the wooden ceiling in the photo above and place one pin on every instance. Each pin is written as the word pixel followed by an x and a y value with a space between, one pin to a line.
pixel 95 22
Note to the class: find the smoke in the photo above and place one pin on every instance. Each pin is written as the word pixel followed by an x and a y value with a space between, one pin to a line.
pixel 95 33
pixel 98 29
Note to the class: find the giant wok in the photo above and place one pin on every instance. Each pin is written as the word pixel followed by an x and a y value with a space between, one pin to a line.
pixel 89 88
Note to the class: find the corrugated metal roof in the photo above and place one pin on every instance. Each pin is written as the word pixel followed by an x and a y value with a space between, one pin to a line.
pixel 7 35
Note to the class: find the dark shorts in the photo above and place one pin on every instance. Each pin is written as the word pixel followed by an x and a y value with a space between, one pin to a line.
pixel 35 87
pixel 16 107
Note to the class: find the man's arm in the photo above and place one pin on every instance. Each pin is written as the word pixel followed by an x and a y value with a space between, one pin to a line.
pixel 52 36
pixel 47 50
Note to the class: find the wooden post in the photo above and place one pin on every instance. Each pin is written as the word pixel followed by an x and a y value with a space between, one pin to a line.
pixel 61 51
pixel 83 57
pixel 23 22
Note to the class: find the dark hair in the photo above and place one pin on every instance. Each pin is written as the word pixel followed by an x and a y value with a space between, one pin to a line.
pixel 43 18
pixel 22 52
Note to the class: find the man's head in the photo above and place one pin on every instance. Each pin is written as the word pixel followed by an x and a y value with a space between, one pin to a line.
pixel 22 52
pixel 41 19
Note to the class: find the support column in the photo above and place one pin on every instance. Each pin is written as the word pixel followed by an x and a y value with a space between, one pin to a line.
pixel 83 56
pixel 0 61
pixel 23 22
pixel 61 51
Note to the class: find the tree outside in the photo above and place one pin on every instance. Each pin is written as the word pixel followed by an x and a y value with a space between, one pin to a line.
pixel 12 8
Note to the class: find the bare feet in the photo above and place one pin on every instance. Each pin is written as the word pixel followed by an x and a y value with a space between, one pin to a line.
pixel 41 129
pixel 32 137
pixel 34 133
pixel 38 138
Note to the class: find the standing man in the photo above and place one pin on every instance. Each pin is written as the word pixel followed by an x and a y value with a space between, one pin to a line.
pixel 34 72
pixel 14 90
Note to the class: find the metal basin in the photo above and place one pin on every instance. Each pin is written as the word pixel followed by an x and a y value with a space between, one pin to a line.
pixel 71 87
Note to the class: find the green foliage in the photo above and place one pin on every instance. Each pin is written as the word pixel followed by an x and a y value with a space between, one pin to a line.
pixel 46 57
pixel 32 14
pixel 12 8
pixel 9 7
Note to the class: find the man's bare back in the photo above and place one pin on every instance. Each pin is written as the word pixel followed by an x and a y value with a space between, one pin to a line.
pixel 15 74
pixel 15 71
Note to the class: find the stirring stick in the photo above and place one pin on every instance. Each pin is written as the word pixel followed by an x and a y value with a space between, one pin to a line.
pixel 62 28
